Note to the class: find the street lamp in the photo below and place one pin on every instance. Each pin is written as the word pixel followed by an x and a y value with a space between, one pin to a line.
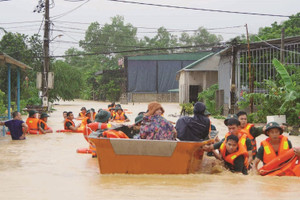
pixel 60 35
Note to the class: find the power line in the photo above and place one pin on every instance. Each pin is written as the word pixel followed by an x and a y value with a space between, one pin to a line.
pixel 22 22
pixel 199 9
pixel 64 14
pixel 137 50
pixel 294 52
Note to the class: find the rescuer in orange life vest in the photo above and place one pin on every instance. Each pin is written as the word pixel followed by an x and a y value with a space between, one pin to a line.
pixel 69 124
pixel 32 121
pixel 251 131
pixel 43 127
pixel 238 160
pixel 82 114
pixel 275 145
pixel 120 115
pixel 87 119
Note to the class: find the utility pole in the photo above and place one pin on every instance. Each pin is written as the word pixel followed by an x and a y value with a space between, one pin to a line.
pixel 250 71
pixel 46 55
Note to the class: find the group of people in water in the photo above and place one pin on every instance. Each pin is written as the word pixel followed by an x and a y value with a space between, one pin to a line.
pixel 238 149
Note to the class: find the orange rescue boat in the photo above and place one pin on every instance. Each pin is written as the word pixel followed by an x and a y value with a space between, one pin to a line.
pixel 134 156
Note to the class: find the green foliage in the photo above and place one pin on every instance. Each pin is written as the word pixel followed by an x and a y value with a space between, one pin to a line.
pixel 283 97
pixel 208 96
pixel 67 82
pixel 2 105
pixel 292 28
pixel 187 107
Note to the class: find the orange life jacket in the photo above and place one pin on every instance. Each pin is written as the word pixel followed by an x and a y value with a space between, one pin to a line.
pixel 45 125
pixel 242 150
pixel 81 115
pixel 84 121
pixel 32 123
pixel 269 152
pixel 119 117
pixel 240 134
pixel 67 120
pixel 253 140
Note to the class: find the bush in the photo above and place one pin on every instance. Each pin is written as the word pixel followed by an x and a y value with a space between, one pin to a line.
pixel 208 96
pixel 187 108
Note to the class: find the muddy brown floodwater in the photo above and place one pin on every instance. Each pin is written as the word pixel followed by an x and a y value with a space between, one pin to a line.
pixel 47 167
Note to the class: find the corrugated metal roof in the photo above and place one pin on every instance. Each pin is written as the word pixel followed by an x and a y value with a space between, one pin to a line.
pixel 179 56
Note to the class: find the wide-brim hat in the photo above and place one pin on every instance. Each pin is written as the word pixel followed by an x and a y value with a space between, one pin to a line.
pixel 271 125
pixel 138 119
pixel 102 116
pixel 32 112
pixel 230 116
pixel 44 115
pixel 154 106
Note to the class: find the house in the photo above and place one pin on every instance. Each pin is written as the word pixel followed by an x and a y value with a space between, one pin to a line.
pixel 215 68
pixel 153 77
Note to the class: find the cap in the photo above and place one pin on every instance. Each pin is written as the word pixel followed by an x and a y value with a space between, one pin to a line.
pixel 271 125
pixel 32 112
pixel 230 116
pixel 43 115
pixel 138 119
pixel 206 112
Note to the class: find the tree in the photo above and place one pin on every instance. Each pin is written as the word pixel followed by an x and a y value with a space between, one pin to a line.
pixel 200 37
pixel 64 73
pixel 163 39
pixel 292 28
pixel 24 49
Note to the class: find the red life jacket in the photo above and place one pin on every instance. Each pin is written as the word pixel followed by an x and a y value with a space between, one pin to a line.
pixel 253 140
pixel 67 120
pixel 242 150
pixel 269 152
pixel 32 123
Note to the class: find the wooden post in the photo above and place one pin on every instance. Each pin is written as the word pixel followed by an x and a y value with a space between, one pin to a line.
pixel 250 71
pixel 8 90
pixel 282 46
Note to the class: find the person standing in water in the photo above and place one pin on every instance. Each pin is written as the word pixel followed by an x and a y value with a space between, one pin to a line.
pixel 17 127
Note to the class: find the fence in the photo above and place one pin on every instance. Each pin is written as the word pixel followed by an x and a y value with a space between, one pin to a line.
pixel 261 63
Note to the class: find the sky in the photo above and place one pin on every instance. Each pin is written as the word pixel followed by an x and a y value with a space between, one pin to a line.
pixel 70 18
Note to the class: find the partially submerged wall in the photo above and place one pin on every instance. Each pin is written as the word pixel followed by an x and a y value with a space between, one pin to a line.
pixel 148 97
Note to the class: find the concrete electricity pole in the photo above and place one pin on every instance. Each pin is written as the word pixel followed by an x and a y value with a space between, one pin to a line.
pixel 46 55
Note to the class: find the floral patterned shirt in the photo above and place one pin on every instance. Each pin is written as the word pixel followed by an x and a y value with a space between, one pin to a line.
pixel 156 127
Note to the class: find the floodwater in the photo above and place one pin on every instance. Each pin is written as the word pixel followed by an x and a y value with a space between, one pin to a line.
pixel 48 167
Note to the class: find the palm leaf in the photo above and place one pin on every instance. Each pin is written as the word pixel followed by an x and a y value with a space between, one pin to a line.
pixel 284 74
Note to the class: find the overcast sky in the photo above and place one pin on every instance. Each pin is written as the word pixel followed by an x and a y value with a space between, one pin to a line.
pixel 74 22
